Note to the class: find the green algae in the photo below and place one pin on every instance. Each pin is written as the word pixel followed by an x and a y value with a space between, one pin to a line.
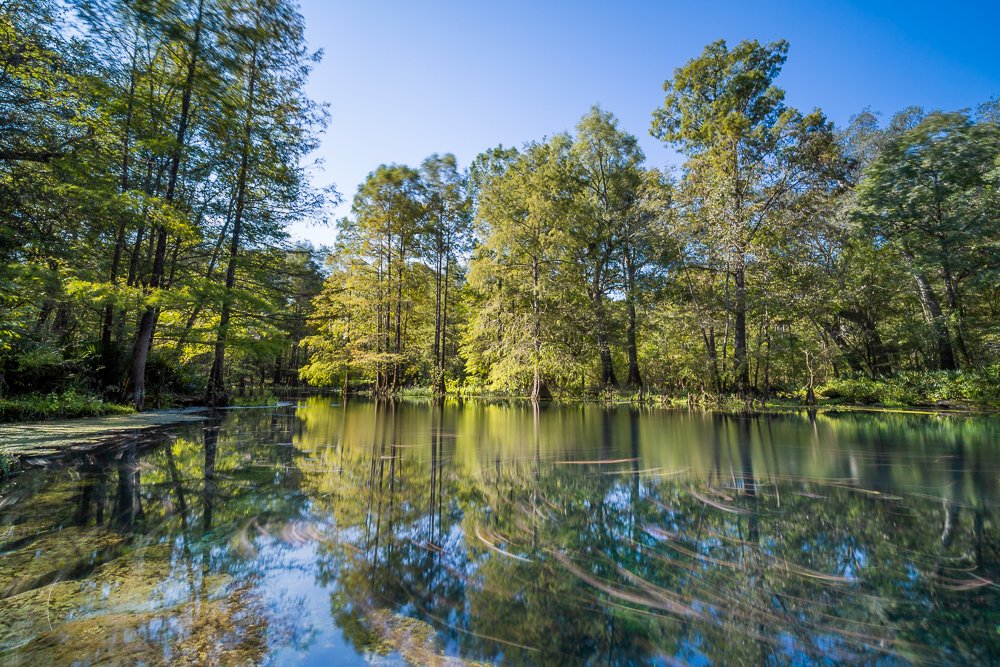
pixel 47 438
pixel 27 519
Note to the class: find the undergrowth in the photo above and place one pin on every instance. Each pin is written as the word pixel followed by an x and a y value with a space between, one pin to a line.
pixel 63 405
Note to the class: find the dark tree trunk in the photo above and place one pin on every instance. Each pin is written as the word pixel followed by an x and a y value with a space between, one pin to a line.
pixel 539 390
pixel 608 377
pixel 955 306
pixel 741 366
pixel 438 380
pixel 936 320
pixel 108 320
pixel 634 380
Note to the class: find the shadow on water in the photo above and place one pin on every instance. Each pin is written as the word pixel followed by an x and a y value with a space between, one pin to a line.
pixel 446 532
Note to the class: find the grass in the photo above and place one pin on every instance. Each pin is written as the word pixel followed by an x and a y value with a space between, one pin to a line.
pixel 65 405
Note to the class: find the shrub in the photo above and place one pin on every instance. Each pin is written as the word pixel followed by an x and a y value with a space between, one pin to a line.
pixel 63 405
pixel 979 388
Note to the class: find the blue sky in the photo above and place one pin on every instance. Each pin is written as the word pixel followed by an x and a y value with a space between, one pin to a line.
pixel 407 79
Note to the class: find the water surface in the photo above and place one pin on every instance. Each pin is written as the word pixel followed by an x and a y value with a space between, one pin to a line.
pixel 501 533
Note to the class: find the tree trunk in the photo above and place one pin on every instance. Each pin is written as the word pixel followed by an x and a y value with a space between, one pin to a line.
pixel 608 378
pixel 108 323
pixel 634 380
pixel 398 342
pixel 438 380
pixel 741 367
pixel 935 318
pixel 955 305
pixel 444 317
pixel 539 392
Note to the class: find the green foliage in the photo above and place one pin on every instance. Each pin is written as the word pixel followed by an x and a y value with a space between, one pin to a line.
pixel 152 156
pixel 931 196
pixel 63 405
pixel 753 163
pixel 387 312
pixel 150 159
pixel 954 389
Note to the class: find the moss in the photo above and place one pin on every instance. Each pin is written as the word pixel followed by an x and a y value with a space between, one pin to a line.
pixel 206 632
pixel 25 519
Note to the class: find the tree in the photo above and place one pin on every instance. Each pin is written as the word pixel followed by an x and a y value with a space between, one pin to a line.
pixel 369 307
pixel 526 298
pixel 748 156
pixel 610 173
pixel 930 195
pixel 264 42
pixel 446 239
pixel 192 23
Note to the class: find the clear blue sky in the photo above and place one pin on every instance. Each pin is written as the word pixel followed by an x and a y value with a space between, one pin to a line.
pixel 407 79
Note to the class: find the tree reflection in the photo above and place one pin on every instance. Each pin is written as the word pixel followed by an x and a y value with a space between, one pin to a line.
pixel 136 575
pixel 520 535
pixel 555 561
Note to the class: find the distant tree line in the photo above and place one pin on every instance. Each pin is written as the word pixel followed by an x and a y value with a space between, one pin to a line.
pixel 153 153
pixel 151 156
pixel 785 252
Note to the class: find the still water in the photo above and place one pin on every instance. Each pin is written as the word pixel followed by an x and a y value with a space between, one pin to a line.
pixel 472 533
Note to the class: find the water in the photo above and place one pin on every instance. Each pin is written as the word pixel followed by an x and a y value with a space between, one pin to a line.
pixel 415 534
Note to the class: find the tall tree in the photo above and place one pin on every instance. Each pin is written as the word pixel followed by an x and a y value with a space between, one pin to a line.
pixel 612 229
pixel 928 195
pixel 608 161
pixel 191 20
pixel 447 237
pixel 526 295
pixel 748 155
pixel 264 42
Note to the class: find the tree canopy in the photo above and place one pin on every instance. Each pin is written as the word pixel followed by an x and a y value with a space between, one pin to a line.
pixel 153 157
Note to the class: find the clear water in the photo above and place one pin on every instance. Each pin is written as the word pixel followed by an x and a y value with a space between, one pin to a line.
pixel 477 533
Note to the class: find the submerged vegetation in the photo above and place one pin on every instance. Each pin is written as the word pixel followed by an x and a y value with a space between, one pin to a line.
pixel 152 155
pixel 466 533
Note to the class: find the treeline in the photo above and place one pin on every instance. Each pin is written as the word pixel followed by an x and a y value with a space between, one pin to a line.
pixel 151 155
pixel 785 253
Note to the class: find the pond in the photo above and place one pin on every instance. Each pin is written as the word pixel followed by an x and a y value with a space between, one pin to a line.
pixel 414 533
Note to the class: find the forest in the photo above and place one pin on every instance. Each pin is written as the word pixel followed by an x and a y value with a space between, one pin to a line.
pixel 154 152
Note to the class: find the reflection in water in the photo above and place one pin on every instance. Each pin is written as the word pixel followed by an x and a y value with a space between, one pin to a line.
pixel 511 534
